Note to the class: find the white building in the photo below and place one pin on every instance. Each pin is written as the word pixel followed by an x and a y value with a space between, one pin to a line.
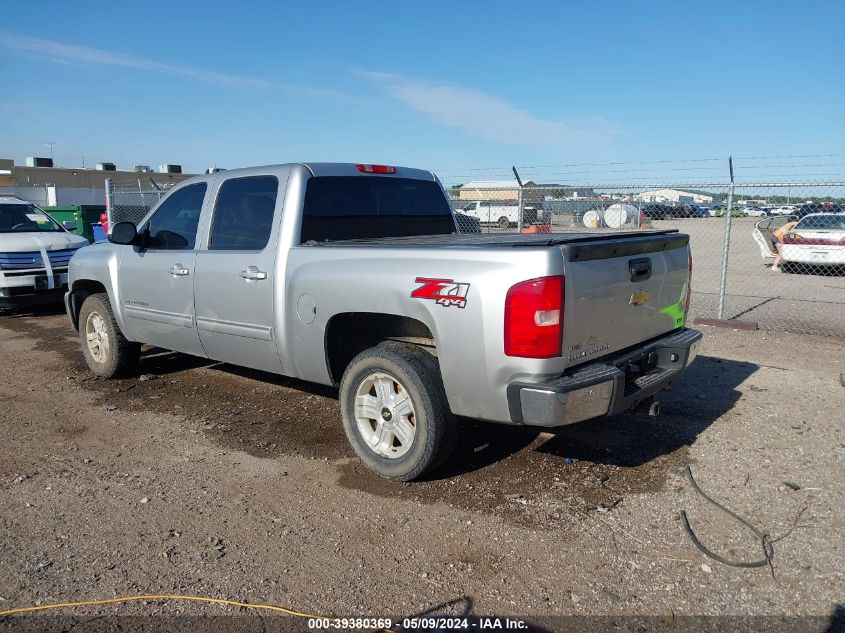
pixel 509 190
pixel 673 195
pixel 490 189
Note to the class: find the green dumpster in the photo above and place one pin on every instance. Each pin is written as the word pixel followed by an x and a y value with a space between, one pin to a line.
pixel 83 214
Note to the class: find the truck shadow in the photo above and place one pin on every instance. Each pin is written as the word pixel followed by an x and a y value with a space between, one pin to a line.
pixel 530 477
pixel 162 362
pixel 705 392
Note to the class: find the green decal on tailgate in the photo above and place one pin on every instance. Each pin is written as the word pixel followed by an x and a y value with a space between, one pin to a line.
pixel 676 310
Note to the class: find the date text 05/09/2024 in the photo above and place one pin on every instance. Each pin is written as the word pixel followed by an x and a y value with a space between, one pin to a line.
pixel 420 623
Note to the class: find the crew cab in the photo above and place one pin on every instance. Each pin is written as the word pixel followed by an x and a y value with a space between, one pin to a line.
pixel 357 276
pixel 34 255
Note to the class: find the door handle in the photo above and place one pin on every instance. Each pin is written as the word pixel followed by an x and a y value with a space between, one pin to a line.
pixel 639 269
pixel 253 274
pixel 178 270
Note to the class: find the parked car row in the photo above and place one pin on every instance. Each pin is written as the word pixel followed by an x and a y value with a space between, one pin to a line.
pixel 669 210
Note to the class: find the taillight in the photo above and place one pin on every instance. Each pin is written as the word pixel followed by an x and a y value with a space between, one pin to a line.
pixel 689 290
pixel 794 238
pixel 376 169
pixel 534 318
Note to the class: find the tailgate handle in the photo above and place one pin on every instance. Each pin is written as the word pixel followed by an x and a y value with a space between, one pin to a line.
pixel 640 269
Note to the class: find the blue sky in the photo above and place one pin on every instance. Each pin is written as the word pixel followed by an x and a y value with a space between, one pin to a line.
pixel 455 87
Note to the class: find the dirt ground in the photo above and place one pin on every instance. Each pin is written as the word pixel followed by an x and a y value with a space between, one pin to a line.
pixel 210 480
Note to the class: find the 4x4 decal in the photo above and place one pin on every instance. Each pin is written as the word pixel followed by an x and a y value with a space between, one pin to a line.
pixel 446 292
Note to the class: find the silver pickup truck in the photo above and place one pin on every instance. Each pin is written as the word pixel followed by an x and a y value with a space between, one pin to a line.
pixel 356 276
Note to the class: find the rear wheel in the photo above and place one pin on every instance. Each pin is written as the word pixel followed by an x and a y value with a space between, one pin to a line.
pixel 395 412
pixel 108 353
pixel 504 222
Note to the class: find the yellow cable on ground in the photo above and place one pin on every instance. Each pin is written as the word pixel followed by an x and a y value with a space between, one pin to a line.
pixel 89 603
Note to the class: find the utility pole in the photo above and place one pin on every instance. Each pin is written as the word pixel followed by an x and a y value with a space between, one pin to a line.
pixel 723 282
pixel 50 144
pixel 520 202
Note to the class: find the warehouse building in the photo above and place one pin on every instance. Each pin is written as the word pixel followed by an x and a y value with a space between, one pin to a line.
pixel 674 195
pixel 40 182
pixel 505 190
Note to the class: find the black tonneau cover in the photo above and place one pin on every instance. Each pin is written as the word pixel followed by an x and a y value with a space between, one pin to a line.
pixel 577 246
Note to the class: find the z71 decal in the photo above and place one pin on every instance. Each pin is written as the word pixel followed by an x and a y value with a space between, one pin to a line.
pixel 446 292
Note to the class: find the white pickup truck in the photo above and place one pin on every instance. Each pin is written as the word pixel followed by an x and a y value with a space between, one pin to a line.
pixel 356 276
pixel 504 215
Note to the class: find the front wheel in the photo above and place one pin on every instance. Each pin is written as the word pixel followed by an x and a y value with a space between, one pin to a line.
pixel 395 412
pixel 108 353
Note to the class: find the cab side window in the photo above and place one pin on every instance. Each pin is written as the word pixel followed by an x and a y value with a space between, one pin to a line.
pixel 243 214
pixel 174 225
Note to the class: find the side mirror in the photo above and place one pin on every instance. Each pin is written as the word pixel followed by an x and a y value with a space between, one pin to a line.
pixel 69 225
pixel 124 233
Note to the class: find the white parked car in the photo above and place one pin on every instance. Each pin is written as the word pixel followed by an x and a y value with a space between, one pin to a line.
pixel 34 255
pixel 818 239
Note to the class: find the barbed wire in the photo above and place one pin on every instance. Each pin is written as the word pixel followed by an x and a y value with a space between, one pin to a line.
pixel 648 162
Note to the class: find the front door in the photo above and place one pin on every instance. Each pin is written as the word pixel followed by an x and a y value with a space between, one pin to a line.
pixel 157 281
pixel 235 275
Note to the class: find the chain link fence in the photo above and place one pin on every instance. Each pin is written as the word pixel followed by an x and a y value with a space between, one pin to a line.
pixel 131 201
pixel 733 279
pixel 771 254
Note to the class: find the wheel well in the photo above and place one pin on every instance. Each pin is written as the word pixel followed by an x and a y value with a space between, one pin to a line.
pixel 349 334
pixel 80 291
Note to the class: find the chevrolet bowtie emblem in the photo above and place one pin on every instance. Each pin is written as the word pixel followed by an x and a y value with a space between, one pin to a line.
pixel 638 297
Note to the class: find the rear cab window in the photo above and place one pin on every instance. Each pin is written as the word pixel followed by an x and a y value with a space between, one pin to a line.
pixel 366 207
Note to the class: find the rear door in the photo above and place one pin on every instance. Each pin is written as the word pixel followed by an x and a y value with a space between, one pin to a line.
pixel 156 282
pixel 234 286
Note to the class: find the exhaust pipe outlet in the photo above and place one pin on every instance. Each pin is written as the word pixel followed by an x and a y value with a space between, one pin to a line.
pixel 654 409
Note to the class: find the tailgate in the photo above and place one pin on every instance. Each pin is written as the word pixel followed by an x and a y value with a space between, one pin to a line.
pixel 622 291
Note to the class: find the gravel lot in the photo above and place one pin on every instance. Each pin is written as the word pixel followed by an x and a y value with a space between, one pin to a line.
pixel 211 480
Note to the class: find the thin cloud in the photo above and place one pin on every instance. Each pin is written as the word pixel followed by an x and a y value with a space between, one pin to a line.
pixel 74 53
pixel 487 116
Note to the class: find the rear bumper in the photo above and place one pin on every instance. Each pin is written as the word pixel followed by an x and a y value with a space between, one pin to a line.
pixel 606 388
pixel 813 255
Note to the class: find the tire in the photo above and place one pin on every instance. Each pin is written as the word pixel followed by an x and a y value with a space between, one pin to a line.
pixel 110 354
pixel 412 376
pixel 503 222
